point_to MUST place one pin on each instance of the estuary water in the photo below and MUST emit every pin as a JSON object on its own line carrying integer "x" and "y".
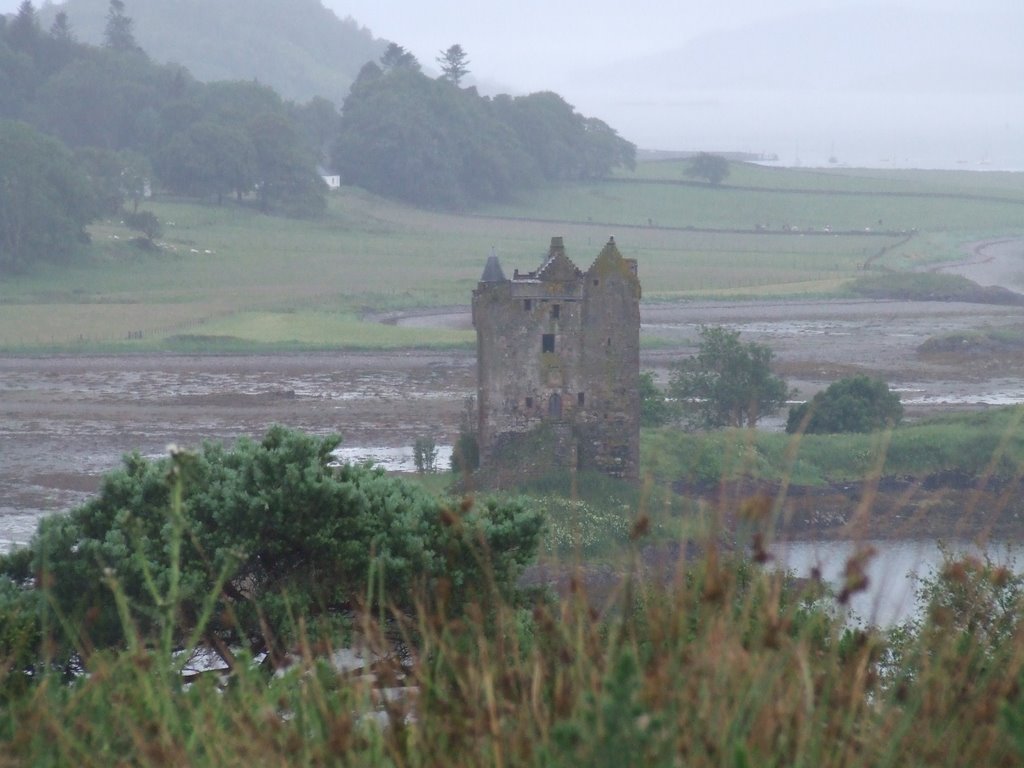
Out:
{"x": 893, "y": 571}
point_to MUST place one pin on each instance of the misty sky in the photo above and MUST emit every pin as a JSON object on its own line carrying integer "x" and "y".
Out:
{"x": 908, "y": 82}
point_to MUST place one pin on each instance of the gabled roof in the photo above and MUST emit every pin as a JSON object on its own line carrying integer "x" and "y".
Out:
{"x": 610, "y": 258}
{"x": 556, "y": 267}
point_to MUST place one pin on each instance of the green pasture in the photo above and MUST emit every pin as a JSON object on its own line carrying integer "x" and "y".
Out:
{"x": 227, "y": 276}
{"x": 636, "y": 202}
{"x": 978, "y": 445}
{"x": 868, "y": 181}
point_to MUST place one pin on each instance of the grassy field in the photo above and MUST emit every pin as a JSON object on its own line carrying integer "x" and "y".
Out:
{"x": 983, "y": 444}
{"x": 228, "y": 277}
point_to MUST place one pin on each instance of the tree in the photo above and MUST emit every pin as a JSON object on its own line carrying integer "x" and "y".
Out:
{"x": 318, "y": 122}
{"x": 60, "y": 29}
{"x": 712, "y": 168}
{"x": 114, "y": 177}
{"x": 145, "y": 222}
{"x": 23, "y": 31}
{"x": 118, "y": 34}
{"x": 208, "y": 158}
{"x": 270, "y": 530}
{"x": 409, "y": 136}
{"x": 655, "y": 409}
{"x": 854, "y": 404}
{"x": 424, "y": 454}
{"x": 727, "y": 383}
{"x": 396, "y": 57}
{"x": 45, "y": 201}
{"x": 454, "y": 64}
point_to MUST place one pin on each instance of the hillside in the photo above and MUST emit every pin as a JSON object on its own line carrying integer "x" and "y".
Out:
{"x": 298, "y": 47}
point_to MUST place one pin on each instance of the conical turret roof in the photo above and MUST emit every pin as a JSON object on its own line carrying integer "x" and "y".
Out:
{"x": 492, "y": 271}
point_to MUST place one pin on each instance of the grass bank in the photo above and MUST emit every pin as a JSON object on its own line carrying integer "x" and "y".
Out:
{"x": 976, "y": 445}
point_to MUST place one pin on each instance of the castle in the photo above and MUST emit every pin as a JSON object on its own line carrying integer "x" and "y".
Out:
{"x": 558, "y": 354}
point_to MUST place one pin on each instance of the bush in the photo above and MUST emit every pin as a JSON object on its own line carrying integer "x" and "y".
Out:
{"x": 655, "y": 409}
{"x": 270, "y": 530}
{"x": 145, "y": 222}
{"x": 854, "y": 404}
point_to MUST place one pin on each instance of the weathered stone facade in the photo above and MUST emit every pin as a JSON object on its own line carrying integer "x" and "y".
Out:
{"x": 558, "y": 350}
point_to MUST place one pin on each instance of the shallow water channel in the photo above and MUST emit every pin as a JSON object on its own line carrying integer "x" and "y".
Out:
{"x": 893, "y": 571}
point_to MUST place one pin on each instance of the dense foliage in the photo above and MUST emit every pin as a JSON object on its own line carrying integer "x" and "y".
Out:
{"x": 429, "y": 142}
{"x": 264, "y": 531}
{"x": 727, "y": 383}
{"x": 712, "y": 168}
{"x": 45, "y": 201}
{"x": 854, "y": 404}
{"x": 655, "y": 409}
{"x": 126, "y": 117}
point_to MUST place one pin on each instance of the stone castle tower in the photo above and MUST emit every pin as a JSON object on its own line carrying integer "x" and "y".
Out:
{"x": 560, "y": 348}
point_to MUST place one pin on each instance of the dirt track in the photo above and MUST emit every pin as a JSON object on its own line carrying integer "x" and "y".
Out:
{"x": 64, "y": 421}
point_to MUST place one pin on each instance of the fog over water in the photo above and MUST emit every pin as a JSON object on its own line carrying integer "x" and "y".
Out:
{"x": 903, "y": 83}
{"x": 877, "y": 83}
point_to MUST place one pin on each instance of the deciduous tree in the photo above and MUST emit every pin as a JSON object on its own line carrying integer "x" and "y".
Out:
{"x": 44, "y": 199}
{"x": 712, "y": 168}
{"x": 727, "y": 383}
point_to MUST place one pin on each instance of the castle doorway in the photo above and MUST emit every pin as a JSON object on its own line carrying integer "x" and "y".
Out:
{"x": 555, "y": 406}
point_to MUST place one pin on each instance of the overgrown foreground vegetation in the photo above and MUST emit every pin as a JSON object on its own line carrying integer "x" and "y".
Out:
{"x": 711, "y": 660}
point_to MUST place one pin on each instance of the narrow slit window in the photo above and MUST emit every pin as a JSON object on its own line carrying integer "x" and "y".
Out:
{"x": 529, "y": 402}
{"x": 547, "y": 342}
{"x": 580, "y": 399}
{"x": 556, "y": 311}
{"x": 527, "y": 305}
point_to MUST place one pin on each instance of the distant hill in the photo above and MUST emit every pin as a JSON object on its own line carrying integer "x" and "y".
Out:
{"x": 298, "y": 47}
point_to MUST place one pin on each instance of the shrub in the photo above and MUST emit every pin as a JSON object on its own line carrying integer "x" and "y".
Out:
{"x": 271, "y": 530}
{"x": 854, "y": 404}
{"x": 655, "y": 409}
{"x": 145, "y": 222}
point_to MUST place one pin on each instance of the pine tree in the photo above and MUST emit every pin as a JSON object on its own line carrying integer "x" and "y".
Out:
{"x": 118, "y": 35}
{"x": 454, "y": 64}
{"x": 23, "y": 31}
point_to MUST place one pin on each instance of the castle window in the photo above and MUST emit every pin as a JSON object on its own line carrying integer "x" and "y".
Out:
{"x": 527, "y": 305}
{"x": 529, "y": 402}
{"x": 556, "y": 311}
{"x": 547, "y": 342}
{"x": 596, "y": 282}
{"x": 580, "y": 399}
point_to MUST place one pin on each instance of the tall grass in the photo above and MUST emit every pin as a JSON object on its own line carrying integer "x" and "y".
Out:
{"x": 707, "y": 660}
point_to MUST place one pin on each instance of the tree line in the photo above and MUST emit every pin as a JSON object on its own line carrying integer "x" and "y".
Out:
{"x": 431, "y": 142}
{"x": 99, "y": 127}
{"x": 96, "y": 127}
